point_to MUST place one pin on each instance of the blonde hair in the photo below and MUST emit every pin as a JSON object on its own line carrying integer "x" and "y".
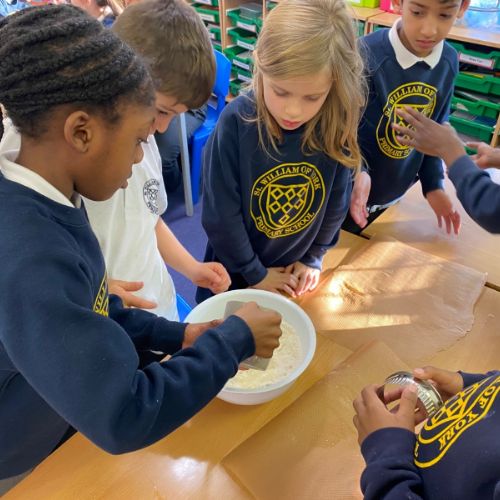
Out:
{"x": 302, "y": 37}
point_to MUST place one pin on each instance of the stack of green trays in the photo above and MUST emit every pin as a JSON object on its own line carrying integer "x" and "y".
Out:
{"x": 242, "y": 38}
{"x": 484, "y": 84}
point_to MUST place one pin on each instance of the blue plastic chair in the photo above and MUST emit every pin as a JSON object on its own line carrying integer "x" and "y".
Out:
{"x": 183, "y": 308}
{"x": 214, "y": 109}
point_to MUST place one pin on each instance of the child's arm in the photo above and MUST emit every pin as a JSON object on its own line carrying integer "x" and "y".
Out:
{"x": 387, "y": 443}
{"x": 486, "y": 156}
{"x": 479, "y": 195}
{"x": 210, "y": 275}
{"x": 359, "y": 198}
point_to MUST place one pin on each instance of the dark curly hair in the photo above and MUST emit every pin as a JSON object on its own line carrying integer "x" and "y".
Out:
{"x": 58, "y": 54}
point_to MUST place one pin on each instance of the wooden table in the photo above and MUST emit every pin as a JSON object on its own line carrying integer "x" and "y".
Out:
{"x": 413, "y": 222}
{"x": 186, "y": 464}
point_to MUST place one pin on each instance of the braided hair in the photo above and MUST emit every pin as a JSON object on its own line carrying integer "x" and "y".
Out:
{"x": 58, "y": 54}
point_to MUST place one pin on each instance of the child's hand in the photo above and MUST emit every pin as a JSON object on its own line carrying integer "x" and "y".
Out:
{"x": 265, "y": 326}
{"x": 194, "y": 330}
{"x": 277, "y": 280}
{"x": 447, "y": 383}
{"x": 486, "y": 156}
{"x": 124, "y": 290}
{"x": 359, "y": 198}
{"x": 429, "y": 137}
{"x": 307, "y": 277}
{"x": 443, "y": 208}
{"x": 372, "y": 414}
{"x": 211, "y": 275}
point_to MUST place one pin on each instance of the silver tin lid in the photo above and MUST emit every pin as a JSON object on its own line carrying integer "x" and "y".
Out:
{"x": 426, "y": 392}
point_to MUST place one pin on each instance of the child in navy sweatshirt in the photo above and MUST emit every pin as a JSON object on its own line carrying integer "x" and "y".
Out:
{"x": 436, "y": 464}
{"x": 278, "y": 167}
{"x": 408, "y": 65}
{"x": 83, "y": 103}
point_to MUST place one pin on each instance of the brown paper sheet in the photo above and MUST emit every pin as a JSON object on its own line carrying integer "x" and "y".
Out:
{"x": 220, "y": 427}
{"x": 417, "y": 303}
{"x": 314, "y": 452}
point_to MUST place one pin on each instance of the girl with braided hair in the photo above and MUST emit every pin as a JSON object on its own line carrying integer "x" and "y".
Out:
{"x": 69, "y": 351}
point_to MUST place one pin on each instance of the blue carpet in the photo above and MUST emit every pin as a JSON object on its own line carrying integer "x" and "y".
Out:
{"x": 189, "y": 232}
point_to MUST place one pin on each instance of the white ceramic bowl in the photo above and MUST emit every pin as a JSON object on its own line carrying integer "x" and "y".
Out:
{"x": 215, "y": 306}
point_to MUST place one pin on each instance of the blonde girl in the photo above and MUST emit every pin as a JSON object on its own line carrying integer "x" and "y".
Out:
{"x": 278, "y": 168}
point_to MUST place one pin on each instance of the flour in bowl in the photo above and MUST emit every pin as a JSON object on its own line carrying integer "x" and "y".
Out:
{"x": 285, "y": 358}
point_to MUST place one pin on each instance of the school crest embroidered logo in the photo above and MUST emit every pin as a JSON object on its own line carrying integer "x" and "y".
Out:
{"x": 419, "y": 96}
{"x": 465, "y": 410}
{"x": 101, "y": 303}
{"x": 150, "y": 194}
{"x": 286, "y": 199}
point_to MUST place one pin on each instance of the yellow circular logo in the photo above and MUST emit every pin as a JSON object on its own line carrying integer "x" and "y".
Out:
{"x": 286, "y": 199}
{"x": 419, "y": 96}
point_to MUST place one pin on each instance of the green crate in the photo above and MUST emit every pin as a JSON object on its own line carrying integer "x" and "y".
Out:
{"x": 213, "y": 3}
{"x": 359, "y": 27}
{"x": 233, "y": 51}
{"x": 214, "y": 32}
{"x": 235, "y": 86}
{"x": 241, "y": 74}
{"x": 208, "y": 14}
{"x": 484, "y": 84}
{"x": 484, "y": 59}
{"x": 244, "y": 60}
{"x": 371, "y": 4}
{"x": 270, "y": 5}
{"x": 242, "y": 38}
{"x": 251, "y": 25}
{"x": 471, "y": 128}
{"x": 478, "y": 108}
{"x": 217, "y": 46}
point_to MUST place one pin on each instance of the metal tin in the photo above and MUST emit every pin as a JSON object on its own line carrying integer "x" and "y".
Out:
{"x": 426, "y": 392}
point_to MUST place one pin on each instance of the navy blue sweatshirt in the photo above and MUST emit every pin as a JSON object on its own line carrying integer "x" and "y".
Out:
{"x": 456, "y": 456}
{"x": 68, "y": 354}
{"x": 479, "y": 195}
{"x": 265, "y": 210}
{"x": 394, "y": 168}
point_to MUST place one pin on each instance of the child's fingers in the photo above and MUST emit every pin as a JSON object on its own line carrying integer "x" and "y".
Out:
{"x": 131, "y": 300}
{"x": 456, "y": 221}
{"x": 473, "y": 144}
{"x": 408, "y": 403}
{"x": 289, "y": 290}
{"x": 447, "y": 220}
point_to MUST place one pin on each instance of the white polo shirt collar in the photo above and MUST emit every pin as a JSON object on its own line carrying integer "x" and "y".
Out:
{"x": 407, "y": 59}
{"x": 17, "y": 173}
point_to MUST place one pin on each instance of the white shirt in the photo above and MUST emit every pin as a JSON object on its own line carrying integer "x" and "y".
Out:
{"x": 124, "y": 224}
{"x": 407, "y": 59}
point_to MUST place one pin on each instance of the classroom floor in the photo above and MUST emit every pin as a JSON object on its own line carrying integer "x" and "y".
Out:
{"x": 190, "y": 233}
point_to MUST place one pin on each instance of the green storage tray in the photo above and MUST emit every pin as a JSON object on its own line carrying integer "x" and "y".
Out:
{"x": 242, "y": 38}
{"x": 241, "y": 74}
{"x": 208, "y": 14}
{"x": 213, "y": 3}
{"x": 360, "y": 27}
{"x": 478, "y": 108}
{"x": 233, "y": 51}
{"x": 471, "y": 128}
{"x": 484, "y": 59}
{"x": 371, "y": 4}
{"x": 483, "y": 84}
{"x": 270, "y": 5}
{"x": 217, "y": 46}
{"x": 251, "y": 25}
{"x": 214, "y": 32}
{"x": 244, "y": 60}
{"x": 235, "y": 86}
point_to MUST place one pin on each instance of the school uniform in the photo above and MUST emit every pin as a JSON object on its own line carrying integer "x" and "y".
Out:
{"x": 398, "y": 78}
{"x": 68, "y": 351}
{"x": 125, "y": 227}
{"x": 478, "y": 194}
{"x": 267, "y": 209}
{"x": 455, "y": 456}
